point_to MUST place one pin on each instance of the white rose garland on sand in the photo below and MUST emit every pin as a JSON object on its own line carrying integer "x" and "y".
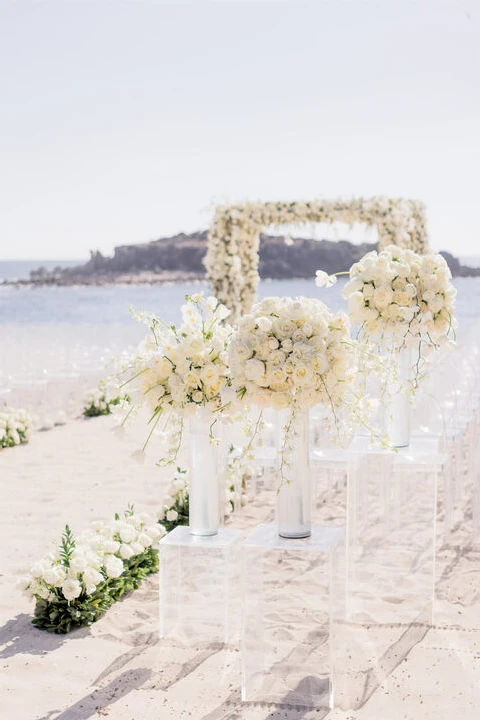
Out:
{"x": 294, "y": 353}
{"x": 81, "y": 577}
{"x": 15, "y": 427}
{"x": 180, "y": 369}
{"x": 233, "y": 239}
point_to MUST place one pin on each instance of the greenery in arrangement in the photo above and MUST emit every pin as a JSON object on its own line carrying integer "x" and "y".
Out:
{"x": 100, "y": 402}
{"x": 178, "y": 371}
{"x": 175, "y": 504}
{"x": 175, "y": 510}
{"x": 81, "y": 578}
{"x": 15, "y": 427}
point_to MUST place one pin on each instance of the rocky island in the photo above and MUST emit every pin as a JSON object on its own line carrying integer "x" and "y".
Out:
{"x": 180, "y": 258}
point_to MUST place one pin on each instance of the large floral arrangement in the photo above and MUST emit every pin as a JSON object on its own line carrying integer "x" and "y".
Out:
{"x": 294, "y": 354}
{"x": 233, "y": 239}
{"x": 401, "y": 298}
{"x": 179, "y": 369}
{"x": 15, "y": 427}
{"x": 80, "y": 578}
{"x": 291, "y": 352}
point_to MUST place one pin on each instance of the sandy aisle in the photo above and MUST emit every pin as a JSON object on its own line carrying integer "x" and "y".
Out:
{"x": 118, "y": 669}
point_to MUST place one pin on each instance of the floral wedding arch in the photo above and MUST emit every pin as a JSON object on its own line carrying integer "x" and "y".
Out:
{"x": 234, "y": 237}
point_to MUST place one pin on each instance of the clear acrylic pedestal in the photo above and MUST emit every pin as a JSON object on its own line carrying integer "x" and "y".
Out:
{"x": 286, "y": 615}
{"x": 200, "y": 586}
{"x": 387, "y": 602}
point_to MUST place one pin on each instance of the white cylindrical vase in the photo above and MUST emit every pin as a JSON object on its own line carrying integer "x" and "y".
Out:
{"x": 400, "y": 409}
{"x": 204, "y": 510}
{"x": 294, "y": 492}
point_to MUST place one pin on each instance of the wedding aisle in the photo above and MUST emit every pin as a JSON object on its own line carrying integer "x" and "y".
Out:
{"x": 119, "y": 669}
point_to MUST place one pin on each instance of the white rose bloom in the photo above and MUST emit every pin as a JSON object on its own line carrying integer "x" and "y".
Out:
{"x": 172, "y": 515}
{"x": 113, "y": 566}
{"x": 382, "y": 297}
{"x": 368, "y": 291}
{"x": 144, "y": 540}
{"x": 352, "y": 286}
{"x": 272, "y": 343}
{"x": 78, "y": 562}
{"x": 24, "y": 583}
{"x": 126, "y": 551}
{"x": 44, "y": 592}
{"x": 111, "y": 546}
{"x": 153, "y": 531}
{"x": 71, "y": 589}
{"x": 255, "y": 370}
{"x": 55, "y": 576}
{"x": 264, "y": 324}
{"x": 137, "y": 548}
{"x": 127, "y": 533}
{"x": 402, "y": 298}
{"x": 323, "y": 279}
{"x": 280, "y": 401}
{"x": 436, "y": 304}
{"x": 91, "y": 576}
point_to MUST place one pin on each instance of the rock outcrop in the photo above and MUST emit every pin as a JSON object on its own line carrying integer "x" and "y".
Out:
{"x": 180, "y": 258}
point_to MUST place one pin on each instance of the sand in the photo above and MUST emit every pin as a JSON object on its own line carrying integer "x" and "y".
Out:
{"x": 119, "y": 668}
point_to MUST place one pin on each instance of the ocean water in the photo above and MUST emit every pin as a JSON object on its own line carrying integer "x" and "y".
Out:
{"x": 105, "y": 306}
{"x": 45, "y": 331}
{"x": 20, "y": 269}
{"x": 55, "y": 343}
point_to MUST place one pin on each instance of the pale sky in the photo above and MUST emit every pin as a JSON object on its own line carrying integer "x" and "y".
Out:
{"x": 122, "y": 122}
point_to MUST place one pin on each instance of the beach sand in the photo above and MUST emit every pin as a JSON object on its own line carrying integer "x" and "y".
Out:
{"x": 119, "y": 668}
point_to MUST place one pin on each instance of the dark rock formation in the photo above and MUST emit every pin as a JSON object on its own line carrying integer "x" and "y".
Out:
{"x": 180, "y": 258}
{"x": 457, "y": 269}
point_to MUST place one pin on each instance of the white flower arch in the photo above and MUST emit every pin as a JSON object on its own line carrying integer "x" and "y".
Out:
{"x": 233, "y": 239}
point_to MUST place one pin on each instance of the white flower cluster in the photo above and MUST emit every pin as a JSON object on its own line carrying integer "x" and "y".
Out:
{"x": 233, "y": 240}
{"x": 186, "y": 367}
{"x": 97, "y": 555}
{"x": 15, "y": 427}
{"x": 175, "y": 509}
{"x": 100, "y": 400}
{"x": 175, "y": 503}
{"x": 292, "y": 353}
{"x": 401, "y": 297}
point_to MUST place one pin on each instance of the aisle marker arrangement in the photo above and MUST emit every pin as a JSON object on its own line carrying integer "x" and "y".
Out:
{"x": 100, "y": 400}
{"x": 15, "y": 427}
{"x": 82, "y": 577}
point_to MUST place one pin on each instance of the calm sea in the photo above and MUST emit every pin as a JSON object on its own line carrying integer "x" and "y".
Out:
{"x": 20, "y": 269}
{"x": 80, "y": 328}
{"x": 110, "y": 305}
